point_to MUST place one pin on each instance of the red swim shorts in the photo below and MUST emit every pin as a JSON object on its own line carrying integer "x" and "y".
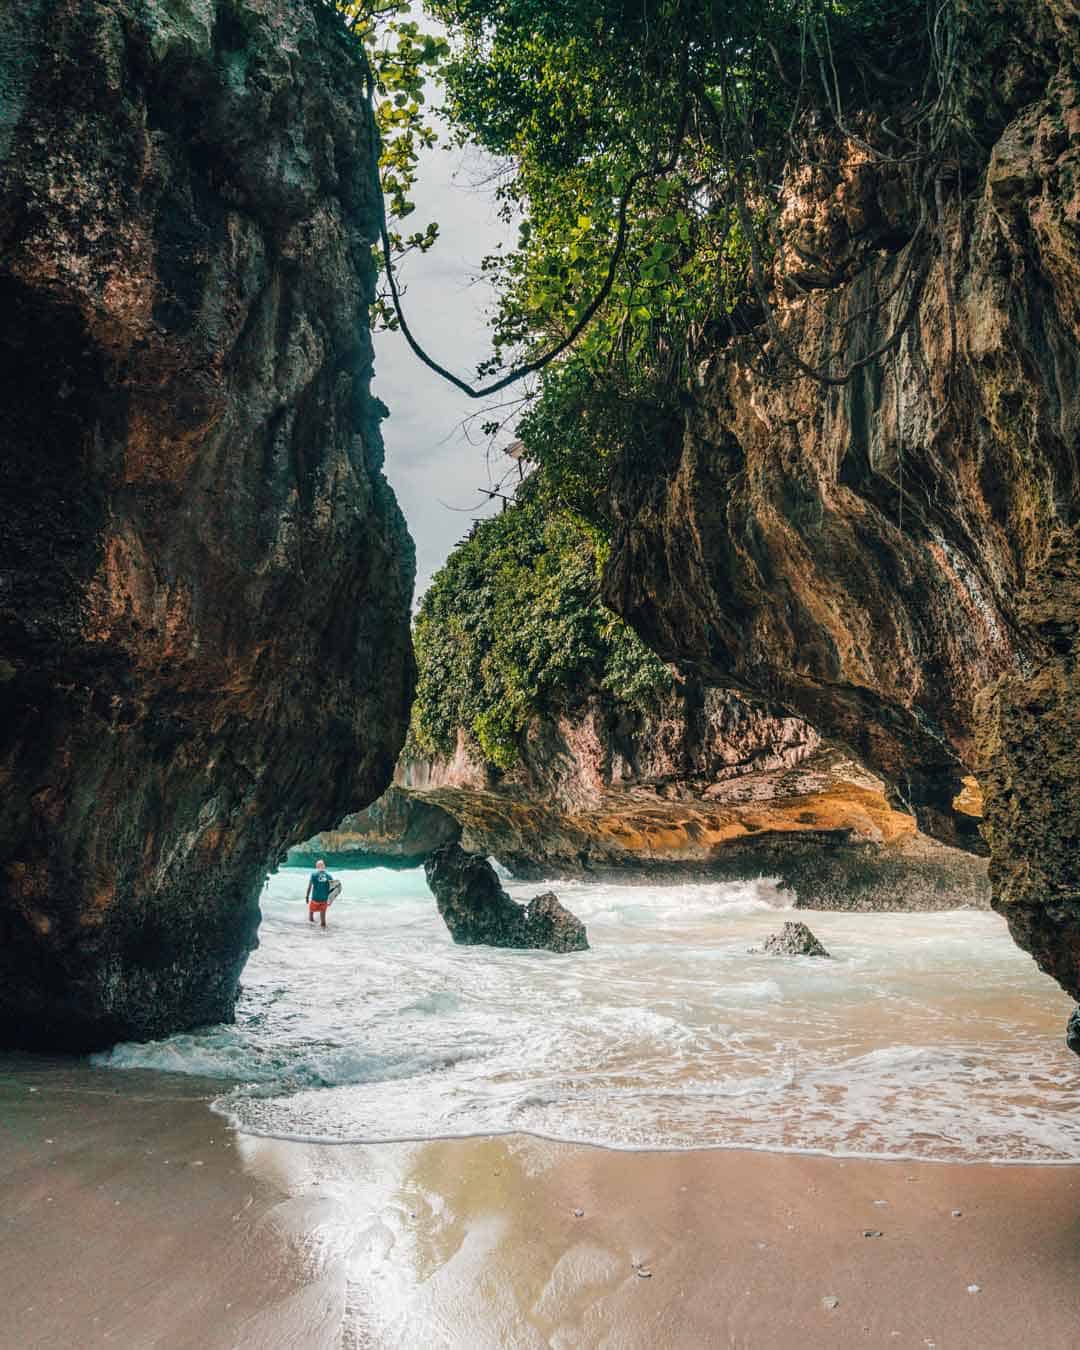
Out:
{"x": 318, "y": 906}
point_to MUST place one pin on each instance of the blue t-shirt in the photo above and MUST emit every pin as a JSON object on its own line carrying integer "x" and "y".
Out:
{"x": 320, "y": 886}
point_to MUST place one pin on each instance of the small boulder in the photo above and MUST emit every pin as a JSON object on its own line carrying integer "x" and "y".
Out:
{"x": 551, "y": 925}
{"x": 794, "y": 939}
{"x": 1072, "y": 1032}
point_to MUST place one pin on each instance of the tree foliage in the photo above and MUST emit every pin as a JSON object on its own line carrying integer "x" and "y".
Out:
{"x": 401, "y": 59}
{"x": 644, "y": 143}
{"x": 513, "y": 627}
{"x": 703, "y": 97}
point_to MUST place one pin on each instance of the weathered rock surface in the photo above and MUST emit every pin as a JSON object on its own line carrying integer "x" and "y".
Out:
{"x": 204, "y": 647}
{"x": 1029, "y": 755}
{"x": 477, "y": 910}
{"x": 794, "y": 939}
{"x": 823, "y": 827}
{"x": 695, "y": 740}
{"x": 707, "y": 784}
{"x": 882, "y": 558}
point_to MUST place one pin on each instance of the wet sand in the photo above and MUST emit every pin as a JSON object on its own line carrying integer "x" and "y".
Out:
{"x": 131, "y": 1215}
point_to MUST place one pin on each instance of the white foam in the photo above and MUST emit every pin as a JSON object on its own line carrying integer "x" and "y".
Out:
{"x": 931, "y": 1036}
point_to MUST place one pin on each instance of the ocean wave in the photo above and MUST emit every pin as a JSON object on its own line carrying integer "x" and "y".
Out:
{"x": 927, "y": 1038}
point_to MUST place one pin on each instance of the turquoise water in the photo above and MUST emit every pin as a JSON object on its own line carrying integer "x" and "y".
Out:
{"x": 928, "y": 1036}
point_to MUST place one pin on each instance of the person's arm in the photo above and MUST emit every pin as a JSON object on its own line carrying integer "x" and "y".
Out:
{"x": 307, "y": 895}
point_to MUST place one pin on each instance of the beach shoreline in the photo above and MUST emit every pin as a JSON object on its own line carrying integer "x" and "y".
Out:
{"x": 133, "y": 1215}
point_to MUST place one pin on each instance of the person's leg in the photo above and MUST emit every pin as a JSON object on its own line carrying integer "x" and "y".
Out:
{"x": 322, "y": 919}
{"x": 310, "y": 914}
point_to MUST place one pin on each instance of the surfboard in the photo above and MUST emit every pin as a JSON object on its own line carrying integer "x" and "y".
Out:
{"x": 335, "y": 891}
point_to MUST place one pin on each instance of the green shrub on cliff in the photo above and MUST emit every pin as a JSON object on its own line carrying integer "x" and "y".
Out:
{"x": 643, "y": 145}
{"x": 513, "y": 626}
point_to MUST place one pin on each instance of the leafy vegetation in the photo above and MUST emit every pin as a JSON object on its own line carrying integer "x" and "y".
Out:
{"x": 643, "y": 144}
{"x": 659, "y": 131}
{"x": 401, "y": 60}
{"x": 512, "y": 627}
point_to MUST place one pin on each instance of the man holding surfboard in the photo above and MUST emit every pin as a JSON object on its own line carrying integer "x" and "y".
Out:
{"x": 322, "y": 891}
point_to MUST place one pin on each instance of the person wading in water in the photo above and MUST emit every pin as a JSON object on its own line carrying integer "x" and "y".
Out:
{"x": 318, "y": 892}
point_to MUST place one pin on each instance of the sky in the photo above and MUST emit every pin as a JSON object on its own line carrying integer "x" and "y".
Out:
{"x": 435, "y": 462}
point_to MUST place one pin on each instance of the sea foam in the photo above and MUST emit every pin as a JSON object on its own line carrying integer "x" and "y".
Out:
{"x": 927, "y": 1036}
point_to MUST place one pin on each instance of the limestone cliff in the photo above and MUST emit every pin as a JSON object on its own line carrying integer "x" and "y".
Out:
{"x": 684, "y": 744}
{"x": 703, "y": 785}
{"x": 204, "y": 648}
{"x": 895, "y": 559}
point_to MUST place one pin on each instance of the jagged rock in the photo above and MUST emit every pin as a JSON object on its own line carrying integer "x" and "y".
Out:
{"x": 204, "y": 647}
{"x": 823, "y": 827}
{"x": 695, "y": 737}
{"x": 551, "y": 925}
{"x": 794, "y": 939}
{"x": 477, "y": 910}
{"x": 1029, "y": 747}
{"x": 1072, "y": 1032}
{"x": 399, "y": 830}
{"x": 704, "y": 784}
{"x": 873, "y": 555}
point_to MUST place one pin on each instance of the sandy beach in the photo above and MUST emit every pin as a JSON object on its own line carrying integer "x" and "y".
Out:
{"x": 134, "y": 1216}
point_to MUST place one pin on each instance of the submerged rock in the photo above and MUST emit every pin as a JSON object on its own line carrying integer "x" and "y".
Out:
{"x": 477, "y": 910}
{"x": 204, "y": 643}
{"x": 794, "y": 939}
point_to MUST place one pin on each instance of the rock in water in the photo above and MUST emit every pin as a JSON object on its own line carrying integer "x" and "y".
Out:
{"x": 1072, "y": 1032}
{"x": 553, "y": 926}
{"x": 794, "y": 939}
{"x": 477, "y": 910}
{"x": 204, "y": 645}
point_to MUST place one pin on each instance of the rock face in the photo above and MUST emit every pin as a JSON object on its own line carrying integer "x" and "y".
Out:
{"x": 204, "y": 647}
{"x": 794, "y": 939}
{"x": 707, "y": 785}
{"x": 894, "y": 560}
{"x": 477, "y": 910}
{"x": 694, "y": 740}
{"x": 823, "y": 829}
{"x": 1029, "y": 753}
{"x": 837, "y": 844}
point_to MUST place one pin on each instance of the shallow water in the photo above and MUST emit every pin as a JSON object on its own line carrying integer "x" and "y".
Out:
{"x": 928, "y": 1036}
